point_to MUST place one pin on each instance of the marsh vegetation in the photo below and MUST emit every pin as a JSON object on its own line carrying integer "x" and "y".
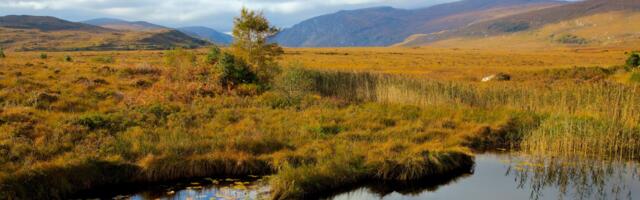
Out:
{"x": 73, "y": 122}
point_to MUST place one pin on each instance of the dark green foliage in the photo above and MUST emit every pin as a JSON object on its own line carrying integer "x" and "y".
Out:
{"x": 43, "y": 56}
{"x": 2, "y": 53}
{"x": 509, "y": 27}
{"x": 571, "y": 39}
{"x": 234, "y": 71}
{"x": 96, "y": 121}
{"x": 68, "y": 58}
{"x": 214, "y": 55}
{"x": 634, "y": 59}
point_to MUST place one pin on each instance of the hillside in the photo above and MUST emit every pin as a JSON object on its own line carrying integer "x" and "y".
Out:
{"x": 593, "y": 22}
{"x": 45, "y": 23}
{"x": 24, "y": 33}
{"x": 207, "y": 34}
{"x": 384, "y": 26}
{"x": 119, "y": 24}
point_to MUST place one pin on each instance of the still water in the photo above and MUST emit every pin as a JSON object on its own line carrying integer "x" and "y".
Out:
{"x": 496, "y": 176}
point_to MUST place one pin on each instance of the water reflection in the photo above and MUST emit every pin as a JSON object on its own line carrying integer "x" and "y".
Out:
{"x": 207, "y": 189}
{"x": 496, "y": 176}
{"x": 525, "y": 177}
{"x": 576, "y": 178}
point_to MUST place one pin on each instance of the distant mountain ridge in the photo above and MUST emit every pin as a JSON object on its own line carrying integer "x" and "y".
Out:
{"x": 26, "y": 32}
{"x": 206, "y": 33}
{"x": 44, "y": 23}
{"x": 560, "y": 18}
{"x": 383, "y": 26}
{"x": 119, "y": 24}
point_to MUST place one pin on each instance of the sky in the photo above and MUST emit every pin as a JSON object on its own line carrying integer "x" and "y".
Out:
{"x": 217, "y": 14}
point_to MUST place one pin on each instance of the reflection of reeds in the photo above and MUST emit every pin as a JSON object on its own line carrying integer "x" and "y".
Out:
{"x": 602, "y": 117}
{"x": 574, "y": 177}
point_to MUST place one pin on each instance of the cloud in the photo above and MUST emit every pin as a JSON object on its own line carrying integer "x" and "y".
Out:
{"x": 214, "y": 13}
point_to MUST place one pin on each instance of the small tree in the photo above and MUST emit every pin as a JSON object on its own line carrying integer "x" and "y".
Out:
{"x": 251, "y": 32}
{"x": 214, "y": 55}
{"x": 43, "y": 56}
{"x": 634, "y": 60}
{"x": 2, "y": 53}
{"x": 234, "y": 71}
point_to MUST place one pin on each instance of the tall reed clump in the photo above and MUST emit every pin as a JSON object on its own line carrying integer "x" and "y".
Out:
{"x": 611, "y": 105}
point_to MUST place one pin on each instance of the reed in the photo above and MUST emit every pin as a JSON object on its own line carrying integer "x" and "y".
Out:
{"x": 613, "y": 107}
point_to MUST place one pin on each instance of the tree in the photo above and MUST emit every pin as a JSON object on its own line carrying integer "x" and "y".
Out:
{"x": 251, "y": 32}
{"x": 214, "y": 55}
{"x": 234, "y": 71}
{"x": 634, "y": 59}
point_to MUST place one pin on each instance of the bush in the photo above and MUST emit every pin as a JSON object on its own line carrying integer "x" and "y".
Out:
{"x": 509, "y": 27}
{"x": 2, "y": 53}
{"x": 296, "y": 81}
{"x": 97, "y": 121}
{"x": 214, "y": 55}
{"x": 68, "y": 58}
{"x": 571, "y": 39}
{"x": 634, "y": 60}
{"x": 43, "y": 56}
{"x": 234, "y": 71}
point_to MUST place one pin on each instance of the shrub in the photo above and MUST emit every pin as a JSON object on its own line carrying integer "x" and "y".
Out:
{"x": 509, "y": 27}
{"x": 214, "y": 55}
{"x": 296, "y": 81}
{"x": 2, "y": 53}
{"x": 95, "y": 121}
{"x": 43, "y": 56}
{"x": 68, "y": 58}
{"x": 634, "y": 60}
{"x": 571, "y": 39}
{"x": 234, "y": 71}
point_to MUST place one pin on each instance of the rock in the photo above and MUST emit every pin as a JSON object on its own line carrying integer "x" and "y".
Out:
{"x": 497, "y": 77}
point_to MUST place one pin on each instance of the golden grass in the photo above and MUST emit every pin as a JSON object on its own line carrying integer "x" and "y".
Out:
{"x": 412, "y": 113}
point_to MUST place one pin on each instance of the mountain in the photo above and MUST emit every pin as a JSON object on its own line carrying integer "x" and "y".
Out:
{"x": 44, "y": 23}
{"x": 25, "y": 33}
{"x": 596, "y": 22}
{"x": 207, "y": 34}
{"x": 383, "y": 26}
{"x": 119, "y": 24}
